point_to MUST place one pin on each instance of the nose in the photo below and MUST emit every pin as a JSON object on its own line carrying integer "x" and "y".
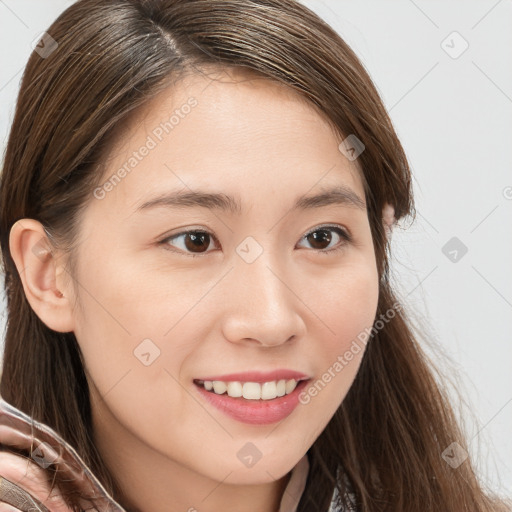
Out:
{"x": 261, "y": 306}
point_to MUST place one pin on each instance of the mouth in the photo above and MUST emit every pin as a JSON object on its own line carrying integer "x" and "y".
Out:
{"x": 250, "y": 402}
{"x": 248, "y": 390}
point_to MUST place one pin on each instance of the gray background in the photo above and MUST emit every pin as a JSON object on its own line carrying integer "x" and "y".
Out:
{"x": 453, "y": 115}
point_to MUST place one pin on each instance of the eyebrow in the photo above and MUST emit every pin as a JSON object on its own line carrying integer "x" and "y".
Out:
{"x": 340, "y": 195}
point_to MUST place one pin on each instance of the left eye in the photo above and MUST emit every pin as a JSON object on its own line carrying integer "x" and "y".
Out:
{"x": 197, "y": 242}
{"x": 321, "y": 237}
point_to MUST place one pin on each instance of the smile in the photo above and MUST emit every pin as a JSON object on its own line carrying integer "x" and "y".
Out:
{"x": 250, "y": 390}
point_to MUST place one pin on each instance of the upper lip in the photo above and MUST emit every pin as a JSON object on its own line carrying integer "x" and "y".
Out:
{"x": 255, "y": 376}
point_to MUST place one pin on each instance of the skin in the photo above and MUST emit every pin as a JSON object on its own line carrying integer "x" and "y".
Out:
{"x": 293, "y": 307}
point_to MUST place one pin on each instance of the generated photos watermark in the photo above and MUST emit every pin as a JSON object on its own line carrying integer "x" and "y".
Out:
{"x": 344, "y": 359}
{"x": 153, "y": 139}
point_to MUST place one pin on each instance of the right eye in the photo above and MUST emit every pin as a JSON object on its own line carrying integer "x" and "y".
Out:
{"x": 191, "y": 243}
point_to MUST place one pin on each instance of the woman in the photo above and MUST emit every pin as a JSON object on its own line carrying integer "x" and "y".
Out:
{"x": 196, "y": 204}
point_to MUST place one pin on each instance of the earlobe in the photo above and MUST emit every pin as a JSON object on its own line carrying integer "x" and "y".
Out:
{"x": 388, "y": 218}
{"x": 40, "y": 274}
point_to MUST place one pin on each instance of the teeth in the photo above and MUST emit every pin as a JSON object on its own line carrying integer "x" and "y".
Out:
{"x": 268, "y": 390}
{"x": 219, "y": 387}
{"x": 234, "y": 389}
{"x": 290, "y": 386}
{"x": 251, "y": 390}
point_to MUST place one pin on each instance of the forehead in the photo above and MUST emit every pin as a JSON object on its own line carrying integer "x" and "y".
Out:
{"x": 227, "y": 130}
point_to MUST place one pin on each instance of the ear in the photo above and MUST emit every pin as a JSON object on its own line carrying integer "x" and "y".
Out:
{"x": 41, "y": 275}
{"x": 388, "y": 218}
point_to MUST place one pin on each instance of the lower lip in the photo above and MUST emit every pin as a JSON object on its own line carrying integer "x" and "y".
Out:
{"x": 255, "y": 412}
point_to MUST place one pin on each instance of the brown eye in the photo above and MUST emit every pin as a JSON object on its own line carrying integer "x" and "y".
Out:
{"x": 191, "y": 242}
{"x": 197, "y": 241}
{"x": 321, "y": 238}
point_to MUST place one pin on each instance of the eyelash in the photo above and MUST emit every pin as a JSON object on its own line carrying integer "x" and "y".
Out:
{"x": 342, "y": 233}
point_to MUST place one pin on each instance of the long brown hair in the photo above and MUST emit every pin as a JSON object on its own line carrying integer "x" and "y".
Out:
{"x": 112, "y": 57}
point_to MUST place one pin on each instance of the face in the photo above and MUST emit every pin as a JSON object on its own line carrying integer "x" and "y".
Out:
{"x": 250, "y": 281}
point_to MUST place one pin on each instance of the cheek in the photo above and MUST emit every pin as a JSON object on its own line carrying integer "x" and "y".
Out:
{"x": 122, "y": 323}
{"x": 347, "y": 312}
{"x": 126, "y": 301}
{"x": 136, "y": 330}
{"x": 352, "y": 304}
{"x": 345, "y": 300}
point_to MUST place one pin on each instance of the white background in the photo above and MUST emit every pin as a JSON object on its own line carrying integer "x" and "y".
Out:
{"x": 454, "y": 118}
